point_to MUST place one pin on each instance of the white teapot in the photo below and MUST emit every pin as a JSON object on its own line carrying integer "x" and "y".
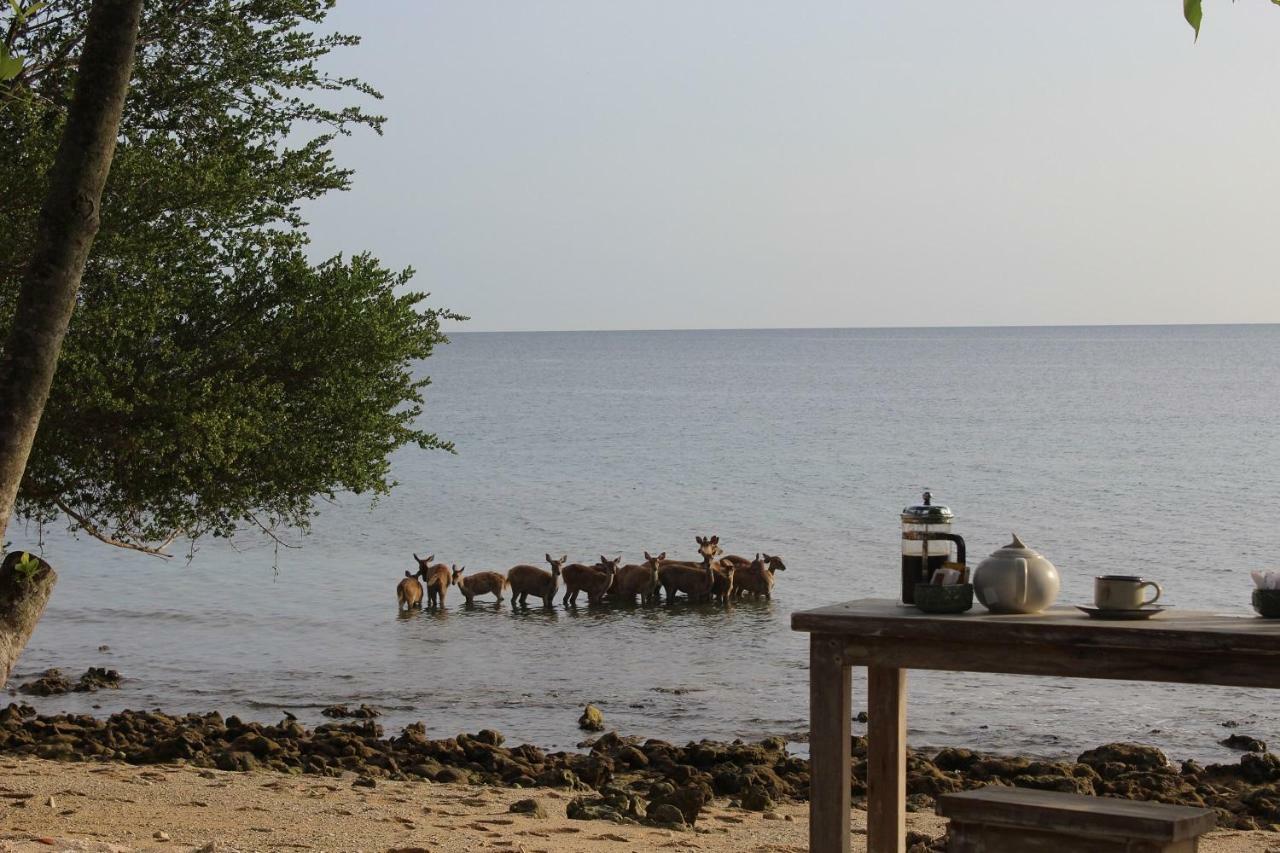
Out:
{"x": 1016, "y": 579}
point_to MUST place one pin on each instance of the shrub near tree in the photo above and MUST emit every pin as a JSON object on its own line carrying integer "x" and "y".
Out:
{"x": 213, "y": 378}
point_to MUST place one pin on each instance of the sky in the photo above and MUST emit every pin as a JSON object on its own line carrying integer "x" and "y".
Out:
{"x": 590, "y": 164}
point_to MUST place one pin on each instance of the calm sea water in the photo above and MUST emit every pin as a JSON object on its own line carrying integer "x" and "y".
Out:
{"x": 1151, "y": 450}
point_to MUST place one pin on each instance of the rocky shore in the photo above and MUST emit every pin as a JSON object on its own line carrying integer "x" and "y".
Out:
{"x": 621, "y": 779}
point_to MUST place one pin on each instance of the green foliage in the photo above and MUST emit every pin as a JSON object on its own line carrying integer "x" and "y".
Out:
{"x": 1194, "y": 14}
{"x": 11, "y": 66}
{"x": 213, "y": 378}
{"x": 26, "y": 567}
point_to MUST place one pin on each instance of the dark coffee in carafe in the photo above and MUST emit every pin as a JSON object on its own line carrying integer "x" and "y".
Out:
{"x": 919, "y": 568}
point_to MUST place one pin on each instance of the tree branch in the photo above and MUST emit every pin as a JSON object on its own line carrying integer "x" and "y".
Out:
{"x": 97, "y": 533}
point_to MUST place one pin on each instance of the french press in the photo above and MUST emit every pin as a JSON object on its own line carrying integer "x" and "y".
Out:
{"x": 926, "y": 544}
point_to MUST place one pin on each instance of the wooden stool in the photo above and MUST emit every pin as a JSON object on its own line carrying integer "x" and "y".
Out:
{"x": 1021, "y": 820}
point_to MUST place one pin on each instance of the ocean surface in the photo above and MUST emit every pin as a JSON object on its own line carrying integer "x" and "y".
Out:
{"x": 1135, "y": 450}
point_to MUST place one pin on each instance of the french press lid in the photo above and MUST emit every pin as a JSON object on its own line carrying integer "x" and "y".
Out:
{"x": 927, "y": 512}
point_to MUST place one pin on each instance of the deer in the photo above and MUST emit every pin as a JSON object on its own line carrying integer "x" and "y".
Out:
{"x": 693, "y": 579}
{"x": 757, "y": 576}
{"x": 593, "y": 580}
{"x": 438, "y": 578}
{"x": 409, "y": 592}
{"x": 479, "y": 583}
{"x": 531, "y": 580}
{"x": 641, "y": 580}
{"x": 722, "y": 583}
{"x": 775, "y": 562}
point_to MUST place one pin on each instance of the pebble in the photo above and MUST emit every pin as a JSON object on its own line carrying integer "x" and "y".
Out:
{"x": 160, "y": 835}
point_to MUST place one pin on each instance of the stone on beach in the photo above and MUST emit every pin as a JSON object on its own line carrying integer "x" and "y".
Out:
{"x": 592, "y": 720}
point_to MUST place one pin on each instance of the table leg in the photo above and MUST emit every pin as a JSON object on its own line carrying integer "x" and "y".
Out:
{"x": 830, "y": 709}
{"x": 886, "y": 760}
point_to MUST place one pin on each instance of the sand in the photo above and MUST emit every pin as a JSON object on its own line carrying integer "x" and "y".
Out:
{"x": 48, "y": 806}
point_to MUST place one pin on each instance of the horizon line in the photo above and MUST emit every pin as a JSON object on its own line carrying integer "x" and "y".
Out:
{"x": 464, "y": 331}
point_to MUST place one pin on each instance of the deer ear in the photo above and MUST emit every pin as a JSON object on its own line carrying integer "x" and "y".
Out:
{"x": 646, "y": 556}
{"x": 548, "y": 556}
{"x": 698, "y": 539}
{"x": 715, "y": 540}
{"x": 565, "y": 558}
{"x": 429, "y": 559}
{"x": 662, "y": 556}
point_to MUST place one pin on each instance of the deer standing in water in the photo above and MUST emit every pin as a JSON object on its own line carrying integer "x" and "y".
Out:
{"x": 409, "y": 592}
{"x": 530, "y": 580}
{"x": 641, "y": 580}
{"x": 479, "y": 583}
{"x": 756, "y": 576}
{"x": 695, "y": 580}
{"x": 593, "y": 580}
{"x": 438, "y": 578}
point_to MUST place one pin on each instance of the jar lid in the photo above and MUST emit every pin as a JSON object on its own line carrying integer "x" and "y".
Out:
{"x": 927, "y": 512}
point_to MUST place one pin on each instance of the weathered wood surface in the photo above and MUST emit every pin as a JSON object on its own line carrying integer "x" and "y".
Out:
{"x": 830, "y": 713}
{"x": 886, "y": 760}
{"x": 1233, "y": 669}
{"x": 1077, "y": 814}
{"x": 1172, "y": 630}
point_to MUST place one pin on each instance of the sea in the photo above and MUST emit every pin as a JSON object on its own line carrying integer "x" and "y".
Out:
{"x": 1145, "y": 450}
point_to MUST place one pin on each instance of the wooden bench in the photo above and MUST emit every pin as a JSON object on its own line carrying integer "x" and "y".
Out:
{"x": 1020, "y": 820}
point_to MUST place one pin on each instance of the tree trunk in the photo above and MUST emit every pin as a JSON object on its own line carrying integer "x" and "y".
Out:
{"x": 22, "y": 601}
{"x": 67, "y": 226}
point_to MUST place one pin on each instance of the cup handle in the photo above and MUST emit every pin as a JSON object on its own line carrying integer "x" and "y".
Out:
{"x": 1022, "y": 599}
{"x": 1153, "y": 599}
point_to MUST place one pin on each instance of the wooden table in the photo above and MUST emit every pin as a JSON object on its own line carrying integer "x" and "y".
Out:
{"x": 889, "y": 638}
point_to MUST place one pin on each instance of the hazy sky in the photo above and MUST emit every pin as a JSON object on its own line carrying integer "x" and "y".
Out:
{"x": 693, "y": 164}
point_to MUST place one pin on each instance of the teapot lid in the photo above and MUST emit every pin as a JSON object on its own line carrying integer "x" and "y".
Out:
{"x": 927, "y": 512}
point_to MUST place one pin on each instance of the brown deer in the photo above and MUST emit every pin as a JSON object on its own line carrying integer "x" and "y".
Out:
{"x": 687, "y": 577}
{"x": 437, "y": 577}
{"x": 722, "y": 584}
{"x": 479, "y": 583}
{"x": 641, "y": 580}
{"x": 756, "y": 577}
{"x": 593, "y": 580}
{"x": 409, "y": 592}
{"x": 531, "y": 580}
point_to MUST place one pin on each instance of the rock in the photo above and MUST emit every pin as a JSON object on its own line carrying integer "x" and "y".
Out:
{"x": 667, "y": 815}
{"x": 160, "y": 835}
{"x": 96, "y": 678}
{"x": 593, "y": 808}
{"x": 365, "y": 782}
{"x": 453, "y": 774}
{"x": 531, "y": 807}
{"x": 364, "y": 712}
{"x": 689, "y": 799}
{"x": 756, "y": 799}
{"x": 1061, "y": 783}
{"x": 52, "y": 683}
{"x": 592, "y": 720}
{"x": 1244, "y": 743}
{"x": 1132, "y": 756}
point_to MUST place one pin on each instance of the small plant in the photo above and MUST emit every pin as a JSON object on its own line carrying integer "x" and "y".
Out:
{"x": 26, "y": 567}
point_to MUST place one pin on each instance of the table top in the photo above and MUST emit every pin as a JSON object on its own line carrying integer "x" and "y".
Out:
{"x": 1172, "y": 630}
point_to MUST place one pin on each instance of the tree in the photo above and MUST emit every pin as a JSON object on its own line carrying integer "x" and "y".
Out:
{"x": 63, "y": 235}
{"x": 214, "y": 379}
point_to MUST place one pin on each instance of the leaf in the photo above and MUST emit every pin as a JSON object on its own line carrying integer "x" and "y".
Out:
{"x": 10, "y": 66}
{"x": 1192, "y": 12}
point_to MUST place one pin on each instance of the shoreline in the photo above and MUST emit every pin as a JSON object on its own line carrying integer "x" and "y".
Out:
{"x": 623, "y": 780}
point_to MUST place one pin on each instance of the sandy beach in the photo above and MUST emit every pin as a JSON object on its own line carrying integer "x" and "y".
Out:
{"x": 113, "y": 807}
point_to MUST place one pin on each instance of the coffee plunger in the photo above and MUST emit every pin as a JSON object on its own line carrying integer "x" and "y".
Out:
{"x": 926, "y": 545}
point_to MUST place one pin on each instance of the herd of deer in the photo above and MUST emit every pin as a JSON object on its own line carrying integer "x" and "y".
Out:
{"x": 716, "y": 578}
